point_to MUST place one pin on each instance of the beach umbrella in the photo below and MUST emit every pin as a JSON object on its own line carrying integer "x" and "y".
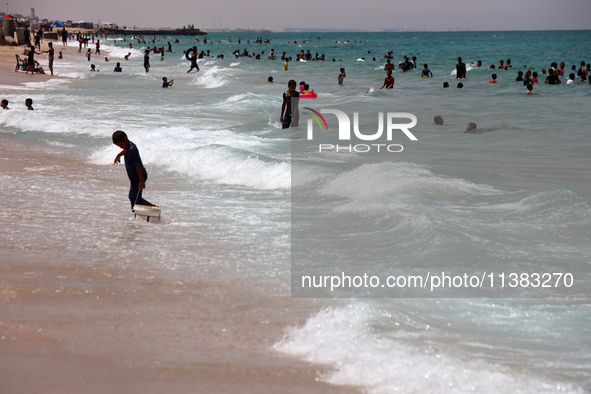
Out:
{"x": 6, "y": 16}
{"x": 58, "y": 24}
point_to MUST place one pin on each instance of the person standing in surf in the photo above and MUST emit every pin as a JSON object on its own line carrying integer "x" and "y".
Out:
{"x": 460, "y": 69}
{"x": 51, "y": 53}
{"x": 192, "y": 56}
{"x": 133, "y": 165}
{"x": 342, "y": 76}
{"x": 289, "y": 108}
{"x": 147, "y": 60}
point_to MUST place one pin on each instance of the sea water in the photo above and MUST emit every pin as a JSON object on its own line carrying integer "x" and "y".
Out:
{"x": 514, "y": 196}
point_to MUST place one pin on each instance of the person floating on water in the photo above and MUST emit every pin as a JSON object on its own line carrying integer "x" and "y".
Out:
{"x": 133, "y": 165}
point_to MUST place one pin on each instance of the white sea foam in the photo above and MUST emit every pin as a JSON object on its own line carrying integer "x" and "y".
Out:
{"x": 388, "y": 181}
{"x": 360, "y": 355}
{"x": 221, "y": 156}
{"x": 210, "y": 78}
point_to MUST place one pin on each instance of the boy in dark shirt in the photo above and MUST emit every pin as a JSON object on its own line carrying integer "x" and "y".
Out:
{"x": 289, "y": 108}
{"x": 135, "y": 169}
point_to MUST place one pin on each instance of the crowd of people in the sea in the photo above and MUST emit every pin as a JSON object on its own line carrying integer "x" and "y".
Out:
{"x": 553, "y": 75}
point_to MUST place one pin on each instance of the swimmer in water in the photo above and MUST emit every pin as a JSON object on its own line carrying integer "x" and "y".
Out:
{"x": 471, "y": 126}
{"x": 530, "y": 89}
{"x": 438, "y": 120}
{"x": 388, "y": 81}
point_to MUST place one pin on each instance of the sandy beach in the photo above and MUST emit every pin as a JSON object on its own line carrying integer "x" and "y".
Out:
{"x": 68, "y": 326}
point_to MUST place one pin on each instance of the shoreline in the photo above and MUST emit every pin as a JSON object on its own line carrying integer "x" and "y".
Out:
{"x": 70, "y": 325}
{"x": 16, "y": 78}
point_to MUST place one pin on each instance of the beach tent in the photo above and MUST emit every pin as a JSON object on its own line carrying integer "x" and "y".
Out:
{"x": 58, "y": 24}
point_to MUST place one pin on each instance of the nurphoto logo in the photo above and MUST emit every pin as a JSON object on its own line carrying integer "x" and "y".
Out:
{"x": 344, "y": 131}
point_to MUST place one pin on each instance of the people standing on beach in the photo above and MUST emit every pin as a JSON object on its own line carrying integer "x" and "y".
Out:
{"x": 98, "y": 47}
{"x": 286, "y": 64}
{"x": 31, "y": 60}
{"x": 388, "y": 81}
{"x": 50, "y": 53}
{"x": 136, "y": 172}
{"x": 38, "y": 39}
{"x": 29, "y": 104}
{"x": 342, "y": 76}
{"x": 289, "y": 108}
{"x": 27, "y": 34}
{"x": 4, "y": 104}
{"x": 88, "y": 53}
{"x": 460, "y": 69}
{"x": 64, "y": 33}
{"x": 147, "y": 60}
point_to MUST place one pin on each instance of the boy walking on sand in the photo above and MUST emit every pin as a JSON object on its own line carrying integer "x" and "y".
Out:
{"x": 135, "y": 169}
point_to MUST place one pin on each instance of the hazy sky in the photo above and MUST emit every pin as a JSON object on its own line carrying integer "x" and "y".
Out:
{"x": 334, "y": 14}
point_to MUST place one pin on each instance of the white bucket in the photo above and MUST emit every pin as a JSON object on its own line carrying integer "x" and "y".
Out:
{"x": 147, "y": 213}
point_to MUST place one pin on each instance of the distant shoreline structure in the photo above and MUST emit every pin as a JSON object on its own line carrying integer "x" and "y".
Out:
{"x": 151, "y": 32}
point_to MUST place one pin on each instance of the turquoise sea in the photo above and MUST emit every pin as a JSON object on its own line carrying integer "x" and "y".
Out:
{"x": 513, "y": 197}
